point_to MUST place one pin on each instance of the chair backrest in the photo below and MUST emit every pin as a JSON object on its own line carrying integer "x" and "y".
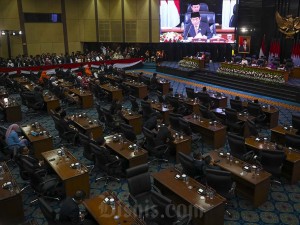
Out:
{"x": 173, "y": 101}
{"x": 174, "y": 121}
{"x": 272, "y": 161}
{"x": 102, "y": 156}
{"x": 254, "y": 109}
{"x": 134, "y": 105}
{"x": 47, "y": 211}
{"x": 219, "y": 180}
{"x": 292, "y": 140}
{"x": 85, "y": 142}
{"x": 138, "y": 179}
{"x": 236, "y": 104}
{"x": 237, "y": 145}
{"x": 187, "y": 163}
{"x": 190, "y": 93}
{"x": 166, "y": 210}
{"x": 128, "y": 132}
{"x": 204, "y": 111}
{"x": 146, "y": 107}
{"x": 204, "y": 98}
{"x": 231, "y": 115}
{"x": 150, "y": 138}
{"x": 252, "y": 128}
{"x": 296, "y": 121}
{"x": 185, "y": 126}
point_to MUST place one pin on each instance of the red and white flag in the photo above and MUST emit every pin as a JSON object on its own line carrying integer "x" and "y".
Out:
{"x": 262, "y": 48}
{"x": 296, "y": 54}
{"x": 169, "y": 13}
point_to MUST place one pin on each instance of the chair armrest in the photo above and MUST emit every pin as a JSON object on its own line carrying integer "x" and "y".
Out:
{"x": 116, "y": 162}
{"x": 41, "y": 172}
{"x": 232, "y": 189}
{"x": 183, "y": 220}
{"x": 132, "y": 201}
{"x": 155, "y": 188}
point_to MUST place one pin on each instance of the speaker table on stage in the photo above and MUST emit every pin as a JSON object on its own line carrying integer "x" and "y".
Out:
{"x": 217, "y": 39}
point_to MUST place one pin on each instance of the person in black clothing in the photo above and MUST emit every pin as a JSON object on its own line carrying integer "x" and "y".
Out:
{"x": 69, "y": 212}
{"x": 209, "y": 164}
{"x": 198, "y": 163}
{"x": 116, "y": 107}
{"x": 163, "y": 136}
{"x": 153, "y": 121}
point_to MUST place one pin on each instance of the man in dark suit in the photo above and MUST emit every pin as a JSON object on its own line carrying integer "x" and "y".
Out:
{"x": 155, "y": 119}
{"x": 244, "y": 47}
{"x": 69, "y": 212}
{"x": 196, "y": 28}
{"x": 163, "y": 136}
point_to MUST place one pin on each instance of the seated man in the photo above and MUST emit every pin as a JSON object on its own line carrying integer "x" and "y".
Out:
{"x": 196, "y": 28}
{"x": 153, "y": 121}
{"x": 163, "y": 136}
{"x": 69, "y": 212}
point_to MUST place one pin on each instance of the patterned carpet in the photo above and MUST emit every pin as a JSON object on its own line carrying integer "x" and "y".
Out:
{"x": 282, "y": 207}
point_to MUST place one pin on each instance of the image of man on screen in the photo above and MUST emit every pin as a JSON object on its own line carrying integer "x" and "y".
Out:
{"x": 244, "y": 47}
{"x": 196, "y": 28}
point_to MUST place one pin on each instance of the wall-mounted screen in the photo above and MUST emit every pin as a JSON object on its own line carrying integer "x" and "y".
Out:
{"x": 203, "y": 21}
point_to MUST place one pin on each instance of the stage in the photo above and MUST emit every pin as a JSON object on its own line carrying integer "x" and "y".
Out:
{"x": 209, "y": 74}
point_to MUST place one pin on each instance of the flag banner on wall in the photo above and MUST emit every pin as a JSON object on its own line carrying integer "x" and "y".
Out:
{"x": 296, "y": 54}
{"x": 274, "y": 50}
{"x": 169, "y": 13}
{"x": 262, "y": 51}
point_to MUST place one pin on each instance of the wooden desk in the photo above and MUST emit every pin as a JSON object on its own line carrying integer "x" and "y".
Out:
{"x": 87, "y": 126}
{"x": 213, "y": 135}
{"x": 11, "y": 204}
{"x": 104, "y": 214}
{"x": 86, "y": 97}
{"x": 219, "y": 101}
{"x": 134, "y": 158}
{"x": 132, "y": 76}
{"x": 199, "y": 62}
{"x": 220, "y": 112}
{"x": 140, "y": 89}
{"x": 272, "y": 114}
{"x": 21, "y": 80}
{"x": 193, "y": 104}
{"x": 133, "y": 119}
{"x": 163, "y": 86}
{"x": 64, "y": 83}
{"x": 255, "y": 188}
{"x": 203, "y": 211}
{"x": 30, "y": 87}
{"x": 11, "y": 110}
{"x": 291, "y": 165}
{"x": 113, "y": 78}
{"x": 41, "y": 143}
{"x": 71, "y": 178}
{"x": 51, "y": 101}
{"x": 278, "y": 133}
{"x": 295, "y": 72}
{"x": 163, "y": 109}
{"x": 182, "y": 143}
{"x": 116, "y": 93}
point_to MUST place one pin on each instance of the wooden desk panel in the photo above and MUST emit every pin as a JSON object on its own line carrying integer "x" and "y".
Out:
{"x": 87, "y": 126}
{"x": 41, "y": 142}
{"x": 71, "y": 178}
{"x": 11, "y": 204}
{"x": 182, "y": 144}
{"x": 86, "y": 97}
{"x": 255, "y": 188}
{"x": 213, "y": 135}
{"x": 291, "y": 165}
{"x": 278, "y": 133}
{"x": 11, "y": 110}
{"x": 134, "y": 120}
{"x": 116, "y": 92}
{"x": 141, "y": 90}
{"x": 105, "y": 215}
{"x": 165, "y": 110}
{"x": 52, "y": 102}
{"x": 163, "y": 86}
{"x": 134, "y": 158}
{"x": 204, "y": 211}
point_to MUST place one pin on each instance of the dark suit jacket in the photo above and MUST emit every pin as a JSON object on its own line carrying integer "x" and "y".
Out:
{"x": 204, "y": 29}
{"x": 163, "y": 135}
{"x": 241, "y": 48}
{"x": 151, "y": 123}
{"x": 69, "y": 212}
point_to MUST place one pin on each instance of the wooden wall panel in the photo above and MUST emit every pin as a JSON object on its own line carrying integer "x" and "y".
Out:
{"x": 42, "y": 6}
{"x": 142, "y": 12}
{"x": 8, "y": 9}
{"x": 130, "y": 9}
{"x": 103, "y": 10}
{"x": 142, "y": 31}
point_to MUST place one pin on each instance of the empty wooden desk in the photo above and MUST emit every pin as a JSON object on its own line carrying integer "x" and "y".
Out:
{"x": 214, "y": 135}
{"x": 163, "y": 86}
{"x": 202, "y": 209}
{"x": 86, "y": 125}
{"x": 192, "y": 104}
{"x": 38, "y": 137}
{"x": 278, "y": 133}
{"x": 73, "y": 179}
{"x": 11, "y": 109}
{"x": 164, "y": 109}
{"x": 11, "y": 204}
{"x": 116, "y": 93}
{"x": 291, "y": 166}
{"x": 122, "y": 149}
{"x": 220, "y": 100}
{"x": 134, "y": 120}
{"x": 22, "y": 80}
{"x": 104, "y": 214}
{"x": 86, "y": 97}
{"x": 140, "y": 89}
{"x": 182, "y": 143}
{"x": 51, "y": 101}
{"x": 253, "y": 187}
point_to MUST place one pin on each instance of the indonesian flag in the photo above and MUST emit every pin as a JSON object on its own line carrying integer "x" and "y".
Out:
{"x": 169, "y": 13}
{"x": 262, "y": 48}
